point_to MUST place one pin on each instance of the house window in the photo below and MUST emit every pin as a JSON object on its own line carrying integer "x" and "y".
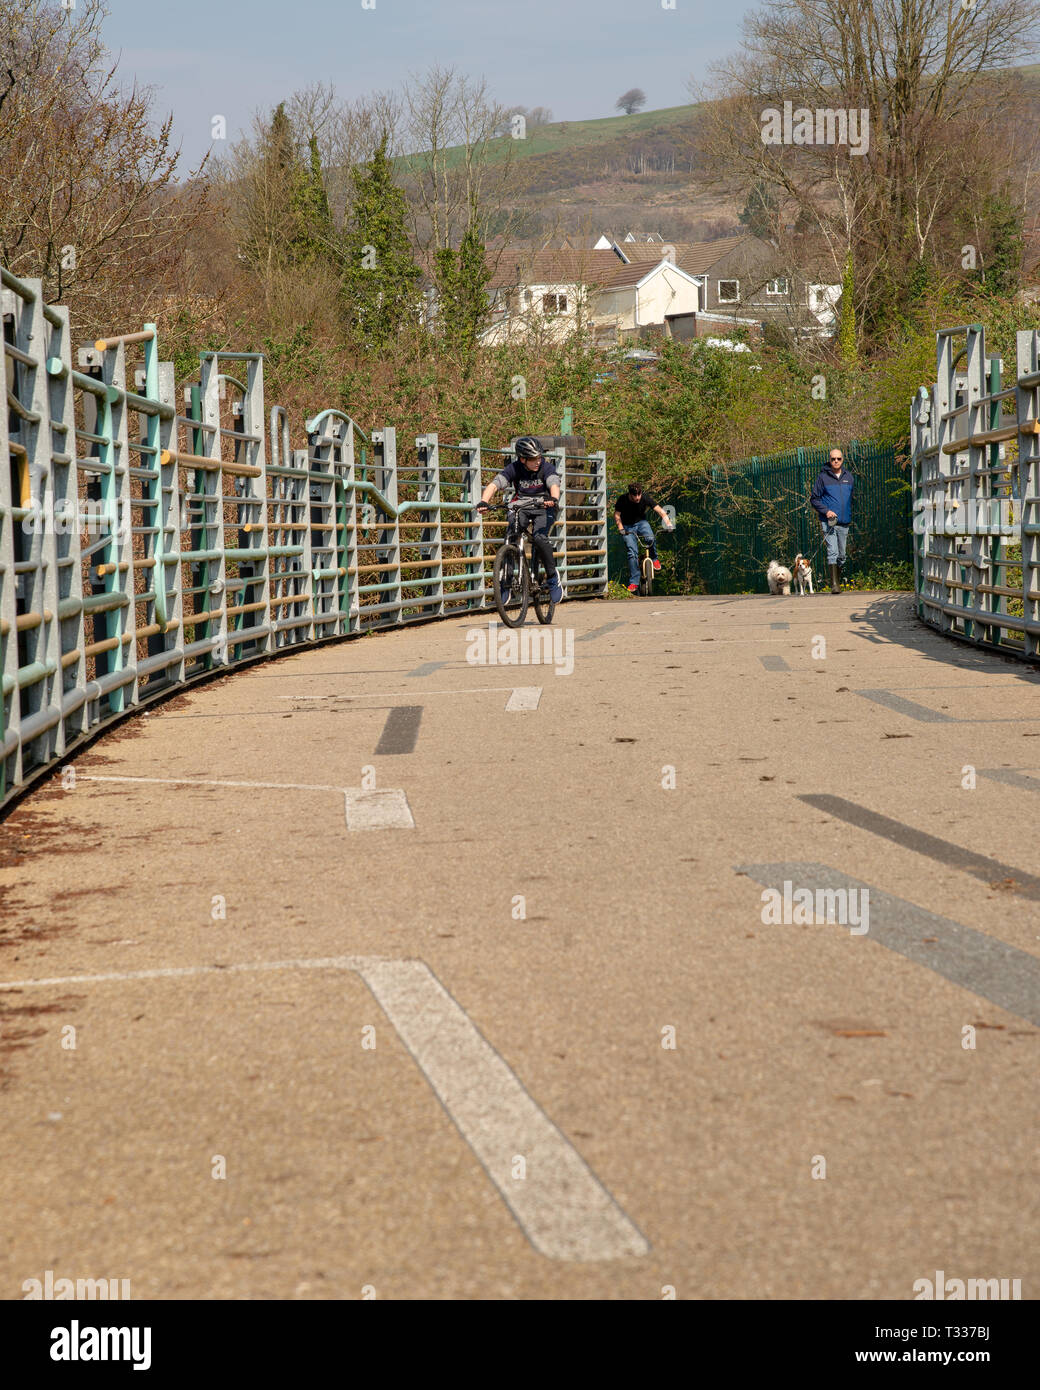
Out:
{"x": 780, "y": 286}
{"x": 554, "y": 303}
{"x": 729, "y": 291}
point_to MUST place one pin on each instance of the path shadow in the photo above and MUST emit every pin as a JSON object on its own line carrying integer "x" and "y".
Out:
{"x": 891, "y": 619}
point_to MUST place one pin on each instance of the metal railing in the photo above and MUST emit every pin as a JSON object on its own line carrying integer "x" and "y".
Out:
{"x": 142, "y": 548}
{"x": 976, "y": 494}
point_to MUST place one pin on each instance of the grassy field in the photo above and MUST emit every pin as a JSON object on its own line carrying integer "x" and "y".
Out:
{"x": 566, "y": 137}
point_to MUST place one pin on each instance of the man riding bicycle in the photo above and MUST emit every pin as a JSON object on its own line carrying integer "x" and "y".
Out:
{"x": 532, "y": 479}
{"x": 630, "y": 515}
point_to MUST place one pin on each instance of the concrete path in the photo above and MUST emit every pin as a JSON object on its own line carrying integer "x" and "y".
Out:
{"x": 377, "y": 971}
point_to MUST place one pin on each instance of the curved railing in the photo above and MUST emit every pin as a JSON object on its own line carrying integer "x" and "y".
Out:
{"x": 142, "y": 548}
{"x": 976, "y": 482}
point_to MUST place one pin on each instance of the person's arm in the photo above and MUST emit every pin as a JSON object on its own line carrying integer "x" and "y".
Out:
{"x": 620, "y": 523}
{"x": 663, "y": 515}
{"x": 497, "y": 484}
{"x": 552, "y": 482}
{"x": 816, "y": 500}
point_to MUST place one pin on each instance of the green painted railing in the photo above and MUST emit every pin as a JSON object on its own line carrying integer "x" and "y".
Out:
{"x": 142, "y": 548}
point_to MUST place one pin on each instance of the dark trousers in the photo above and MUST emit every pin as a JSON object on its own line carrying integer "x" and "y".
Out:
{"x": 539, "y": 527}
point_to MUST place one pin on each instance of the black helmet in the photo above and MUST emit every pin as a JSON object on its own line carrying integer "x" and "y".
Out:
{"x": 527, "y": 448}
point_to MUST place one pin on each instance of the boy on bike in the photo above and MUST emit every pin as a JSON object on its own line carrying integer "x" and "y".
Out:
{"x": 630, "y": 515}
{"x": 532, "y": 478}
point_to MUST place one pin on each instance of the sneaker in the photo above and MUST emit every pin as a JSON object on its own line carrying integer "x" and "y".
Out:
{"x": 657, "y": 566}
{"x": 504, "y": 594}
{"x": 633, "y": 588}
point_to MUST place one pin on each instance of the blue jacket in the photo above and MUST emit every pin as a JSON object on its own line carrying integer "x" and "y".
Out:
{"x": 833, "y": 494}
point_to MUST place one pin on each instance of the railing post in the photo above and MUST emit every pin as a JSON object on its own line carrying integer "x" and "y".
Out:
{"x": 1027, "y": 363}
{"x": 559, "y": 457}
{"x": 429, "y": 489}
{"x": 254, "y": 507}
{"x": 10, "y": 696}
{"x": 598, "y": 467}
{"x": 210, "y": 483}
{"x": 473, "y": 546}
{"x": 389, "y": 543}
{"x": 167, "y": 520}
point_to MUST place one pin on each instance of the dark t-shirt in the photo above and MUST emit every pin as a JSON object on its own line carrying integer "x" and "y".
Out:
{"x": 527, "y": 483}
{"x": 633, "y": 511}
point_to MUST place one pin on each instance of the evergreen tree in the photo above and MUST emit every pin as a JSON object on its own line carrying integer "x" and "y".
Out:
{"x": 759, "y": 215}
{"x": 288, "y": 220}
{"x": 847, "y": 314}
{"x": 462, "y": 277}
{"x": 380, "y": 277}
{"x": 1003, "y": 266}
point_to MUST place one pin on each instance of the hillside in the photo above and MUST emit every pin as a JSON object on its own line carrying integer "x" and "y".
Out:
{"x": 618, "y": 173}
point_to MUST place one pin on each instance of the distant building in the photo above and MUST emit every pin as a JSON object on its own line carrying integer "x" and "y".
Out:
{"x": 635, "y": 288}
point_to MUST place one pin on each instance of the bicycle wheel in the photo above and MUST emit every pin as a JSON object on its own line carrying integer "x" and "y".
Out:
{"x": 646, "y": 588}
{"x": 543, "y": 604}
{"x": 509, "y": 576}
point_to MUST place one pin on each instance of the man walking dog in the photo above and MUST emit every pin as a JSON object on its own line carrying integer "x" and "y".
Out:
{"x": 831, "y": 499}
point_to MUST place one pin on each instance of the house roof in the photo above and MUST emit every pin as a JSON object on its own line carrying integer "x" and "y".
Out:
{"x": 699, "y": 256}
{"x": 695, "y": 257}
{"x": 521, "y": 266}
{"x": 637, "y": 272}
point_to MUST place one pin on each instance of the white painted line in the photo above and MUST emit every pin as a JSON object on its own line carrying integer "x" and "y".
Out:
{"x": 560, "y": 1204}
{"x": 383, "y": 809}
{"x": 386, "y": 809}
{"x": 173, "y": 972}
{"x": 563, "y": 1208}
{"x": 209, "y": 782}
{"x": 524, "y": 697}
{"x": 404, "y": 694}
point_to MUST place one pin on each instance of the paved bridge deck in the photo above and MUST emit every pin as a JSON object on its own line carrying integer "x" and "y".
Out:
{"x": 326, "y": 990}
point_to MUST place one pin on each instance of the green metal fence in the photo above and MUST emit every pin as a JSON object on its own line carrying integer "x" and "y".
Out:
{"x": 729, "y": 526}
{"x": 144, "y": 545}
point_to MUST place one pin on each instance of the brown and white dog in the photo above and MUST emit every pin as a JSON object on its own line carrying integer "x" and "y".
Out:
{"x": 778, "y": 577}
{"x": 802, "y": 575}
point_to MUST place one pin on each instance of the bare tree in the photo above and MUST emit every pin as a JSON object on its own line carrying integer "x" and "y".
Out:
{"x": 916, "y": 80}
{"x": 90, "y": 203}
{"x": 461, "y": 172}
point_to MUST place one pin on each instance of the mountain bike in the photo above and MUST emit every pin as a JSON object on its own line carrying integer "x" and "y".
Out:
{"x": 521, "y": 579}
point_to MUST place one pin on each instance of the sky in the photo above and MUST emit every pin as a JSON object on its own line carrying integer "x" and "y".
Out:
{"x": 230, "y": 57}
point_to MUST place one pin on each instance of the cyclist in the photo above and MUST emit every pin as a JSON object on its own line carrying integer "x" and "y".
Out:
{"x": 532, "y": 478}
{"x": 630, "y": 515}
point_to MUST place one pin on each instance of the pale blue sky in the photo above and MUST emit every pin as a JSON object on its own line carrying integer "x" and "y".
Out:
{"x": 228, "y": 57}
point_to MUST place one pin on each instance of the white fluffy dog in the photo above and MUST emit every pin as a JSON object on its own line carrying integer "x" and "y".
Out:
{"x": 778, "y": 577}
{"x": 802, "y": 575}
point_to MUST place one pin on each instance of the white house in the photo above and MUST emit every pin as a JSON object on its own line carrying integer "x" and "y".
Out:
{"x": 654, "y": 294}
{"x": 555, "y": 292}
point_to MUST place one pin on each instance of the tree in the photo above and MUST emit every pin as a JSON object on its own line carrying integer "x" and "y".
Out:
{"x": 760, "y": 212}
{"x": 898, "y": 118}
{"x": 847, "y": 314}
{"x": 462, "y": 277}
{"x": 380, "y": 277}
{"x": 631, "y": 101}
{"x": 90, "y": 203}
{"x": 1002, "y": 265}
{"x": 452, "y": 180}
